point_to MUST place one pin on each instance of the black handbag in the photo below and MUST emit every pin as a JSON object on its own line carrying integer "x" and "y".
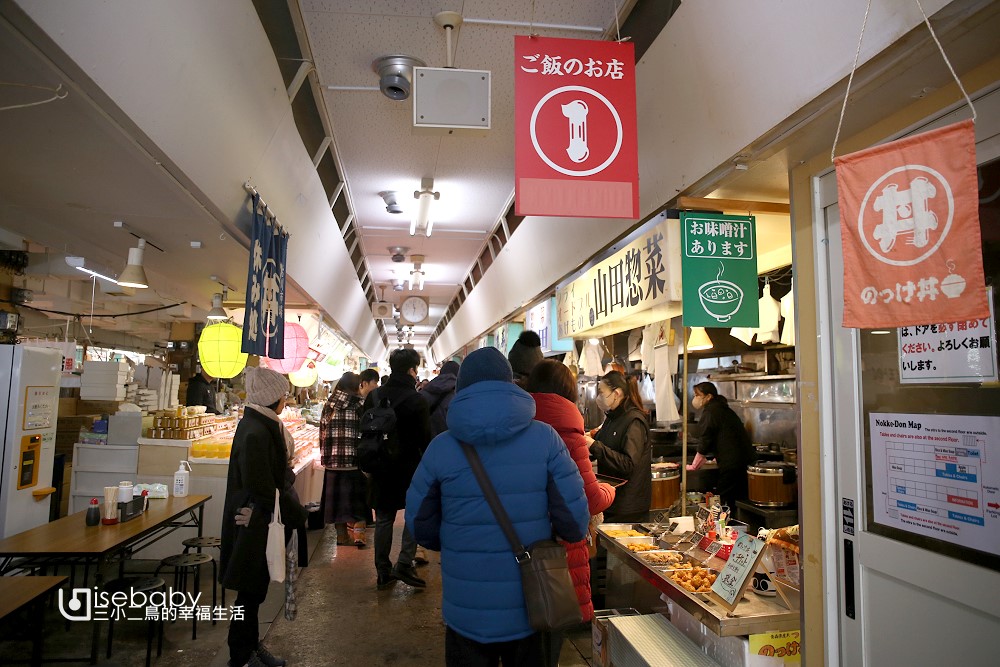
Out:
{"x": 548, "y": 589}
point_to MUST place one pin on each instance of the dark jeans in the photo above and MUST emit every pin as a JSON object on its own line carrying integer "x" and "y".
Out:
{"x": 733, "y": 486}
{"x": 384, "y": 519}
{"x": 461, "y": 651}
{"x": 552, "y": 646}
{"x": 244, "y": 635}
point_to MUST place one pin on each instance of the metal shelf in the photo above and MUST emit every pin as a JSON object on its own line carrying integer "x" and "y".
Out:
{"x": 753, "y": 615}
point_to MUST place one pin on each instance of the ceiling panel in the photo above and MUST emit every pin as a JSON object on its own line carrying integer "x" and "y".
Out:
{"x": 379, "y": 150}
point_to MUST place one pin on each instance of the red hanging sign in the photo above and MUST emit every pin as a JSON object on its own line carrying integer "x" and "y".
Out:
{"x": 910, "y": 231}
{"x": 575, "y": 128}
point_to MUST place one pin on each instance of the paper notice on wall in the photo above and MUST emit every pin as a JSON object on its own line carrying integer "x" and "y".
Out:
{"x": 938, "y": 476}
{"x": 950, "y": 352}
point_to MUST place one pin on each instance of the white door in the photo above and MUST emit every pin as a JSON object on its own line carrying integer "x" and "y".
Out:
{"x": 895, "y": 596}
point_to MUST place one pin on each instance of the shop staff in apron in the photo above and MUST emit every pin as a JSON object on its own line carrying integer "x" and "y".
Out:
{"x": 721, "y": 432}
{"x": 622, "y": 447}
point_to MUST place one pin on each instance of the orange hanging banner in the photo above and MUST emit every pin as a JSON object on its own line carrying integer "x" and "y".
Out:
{"x": 910, "y": 231}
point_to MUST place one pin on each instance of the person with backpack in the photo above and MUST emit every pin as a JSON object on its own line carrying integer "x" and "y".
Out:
{"x": 540, "y": 489}
{"x": 401, "y": 449}
{"x": 439, "y": 393}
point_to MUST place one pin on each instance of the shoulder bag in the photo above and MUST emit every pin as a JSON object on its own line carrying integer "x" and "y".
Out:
{"x": 548, "y": 589}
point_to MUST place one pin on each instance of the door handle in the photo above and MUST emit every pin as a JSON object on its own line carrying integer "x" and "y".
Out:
{"x": 849, "y": 579}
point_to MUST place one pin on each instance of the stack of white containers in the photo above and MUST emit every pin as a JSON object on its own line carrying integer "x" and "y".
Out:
{"x": 104, "y": 380}
{"x": 169, "y": 388}
{"x": 148, "y": 400}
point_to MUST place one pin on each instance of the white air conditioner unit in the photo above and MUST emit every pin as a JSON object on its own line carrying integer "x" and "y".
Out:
{"x": 383, "y": 310}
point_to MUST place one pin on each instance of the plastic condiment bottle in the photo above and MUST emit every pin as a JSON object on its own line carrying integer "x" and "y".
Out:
{"x": 93, "y": 513}
{"x": 181, "y": 480}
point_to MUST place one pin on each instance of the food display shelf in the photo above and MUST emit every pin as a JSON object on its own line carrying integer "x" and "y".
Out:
{"x": 753, "y": 615}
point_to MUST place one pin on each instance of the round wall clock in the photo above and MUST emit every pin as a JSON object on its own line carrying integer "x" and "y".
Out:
{"x": 413, "y": 309}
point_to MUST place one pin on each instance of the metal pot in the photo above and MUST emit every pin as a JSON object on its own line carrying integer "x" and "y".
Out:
{"x": 772, "y": 484}
{"x": 666, "y": 489}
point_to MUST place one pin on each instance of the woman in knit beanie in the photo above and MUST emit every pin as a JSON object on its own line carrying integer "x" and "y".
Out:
{"x": 524, "y": 354}
{"x": 258, "y": 467}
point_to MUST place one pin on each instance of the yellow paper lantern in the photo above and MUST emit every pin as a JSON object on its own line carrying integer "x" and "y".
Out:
{"x": 305, "y": 376}
{"x": 219, "y": 350}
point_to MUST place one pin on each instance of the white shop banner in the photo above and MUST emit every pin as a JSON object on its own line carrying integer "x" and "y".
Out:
{"x": 951, "y": 352}
{"x": 938, "y": 476}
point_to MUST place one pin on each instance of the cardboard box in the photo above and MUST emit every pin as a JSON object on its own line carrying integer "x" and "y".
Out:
{"x": 599, "y": 633}
{"x": 649, "y": 640}
{"x": 161, "y": 458}
{"x": 98, "y": 407}
{"x": 67, "y": 406}
{"x": 182, "y": 331}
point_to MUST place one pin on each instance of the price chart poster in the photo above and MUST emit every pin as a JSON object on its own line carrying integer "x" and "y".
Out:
{"x": 938, "y": 476}
{"x": 576, "y": 147}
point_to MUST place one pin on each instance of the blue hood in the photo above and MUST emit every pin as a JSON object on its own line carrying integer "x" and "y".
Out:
{"x": 490, "y": 411}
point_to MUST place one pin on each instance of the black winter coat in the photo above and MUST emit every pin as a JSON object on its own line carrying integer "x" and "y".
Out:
{"x": 413, "y": 433}
{"x": 439, "y": 393}
{"x": 258, "y": 465}
{"x": 721, "y": 433}
{"x": 201, "y": 392}
{"x": 622, "y": 449}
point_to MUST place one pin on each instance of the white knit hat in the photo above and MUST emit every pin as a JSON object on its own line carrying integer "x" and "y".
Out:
{"x": 264, "y": 386}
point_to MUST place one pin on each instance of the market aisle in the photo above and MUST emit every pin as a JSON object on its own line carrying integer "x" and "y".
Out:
{"x": 343, "y": 620}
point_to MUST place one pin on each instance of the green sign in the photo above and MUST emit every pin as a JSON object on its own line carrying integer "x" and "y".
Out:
{"x": 719, "y": 270}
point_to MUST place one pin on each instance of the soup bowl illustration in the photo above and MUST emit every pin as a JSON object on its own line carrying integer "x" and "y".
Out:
{"x": 721, "y": 299}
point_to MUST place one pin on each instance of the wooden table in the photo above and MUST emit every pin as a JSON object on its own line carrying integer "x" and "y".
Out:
{"x": 18, "y": 592}
{"x": 70, "y": 541}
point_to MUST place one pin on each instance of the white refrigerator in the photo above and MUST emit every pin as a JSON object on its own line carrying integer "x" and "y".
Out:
{"x": 29, "y": 392}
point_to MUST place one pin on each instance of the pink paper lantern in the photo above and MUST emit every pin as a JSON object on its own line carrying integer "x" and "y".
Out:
{"x": 296, "y": 349}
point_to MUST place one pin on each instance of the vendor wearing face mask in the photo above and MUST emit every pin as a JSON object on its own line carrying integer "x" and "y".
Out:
{"x": 721, "y": 432}
{"x": 622, "y": 447}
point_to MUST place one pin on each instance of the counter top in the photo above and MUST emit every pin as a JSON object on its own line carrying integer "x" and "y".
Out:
{"x": 753, "y": 615}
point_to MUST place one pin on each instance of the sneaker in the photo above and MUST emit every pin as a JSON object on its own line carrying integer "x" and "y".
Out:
{"x": 420, "y": 558}
{"x": 408, "y": 575}
{"x": 254, "y": 661}
{"x": 359, "y": 537}
{"x": 385, "y": 581}
{"x": 265, "y": 657}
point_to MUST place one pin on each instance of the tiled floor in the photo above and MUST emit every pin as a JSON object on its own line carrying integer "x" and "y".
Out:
{"x": 342, "y": 620}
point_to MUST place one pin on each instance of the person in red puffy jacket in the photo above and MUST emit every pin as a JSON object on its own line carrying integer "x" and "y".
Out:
{"x": 553, "y": 387}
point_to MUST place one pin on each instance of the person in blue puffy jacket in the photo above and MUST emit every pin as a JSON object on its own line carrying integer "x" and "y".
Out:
{"x": 540, "y": 488}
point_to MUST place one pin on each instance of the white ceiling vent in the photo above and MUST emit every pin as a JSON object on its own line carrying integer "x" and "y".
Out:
{"x": 445, "y": 98}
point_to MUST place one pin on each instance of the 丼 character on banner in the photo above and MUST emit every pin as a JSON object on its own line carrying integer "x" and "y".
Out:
{"x": 910, "y": 231}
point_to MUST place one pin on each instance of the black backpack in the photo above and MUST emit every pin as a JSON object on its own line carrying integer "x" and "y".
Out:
{"x": 378, "y": 446}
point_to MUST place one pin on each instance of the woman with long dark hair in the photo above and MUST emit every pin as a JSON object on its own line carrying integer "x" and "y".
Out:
{"x": 622, "y": 447}
{"x": 721, "y": 433}
{"x": 553, "y": 387}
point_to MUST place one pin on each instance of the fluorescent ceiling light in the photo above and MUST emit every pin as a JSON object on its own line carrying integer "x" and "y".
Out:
{"x": 78, "y": 264}
{"x": 422, "y": 218}
{"x": 881, "y": 331}
{"x": 97, "y": 275}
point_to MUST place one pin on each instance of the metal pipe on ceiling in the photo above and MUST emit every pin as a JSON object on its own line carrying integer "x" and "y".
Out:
{"x": 543, "y": 26}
